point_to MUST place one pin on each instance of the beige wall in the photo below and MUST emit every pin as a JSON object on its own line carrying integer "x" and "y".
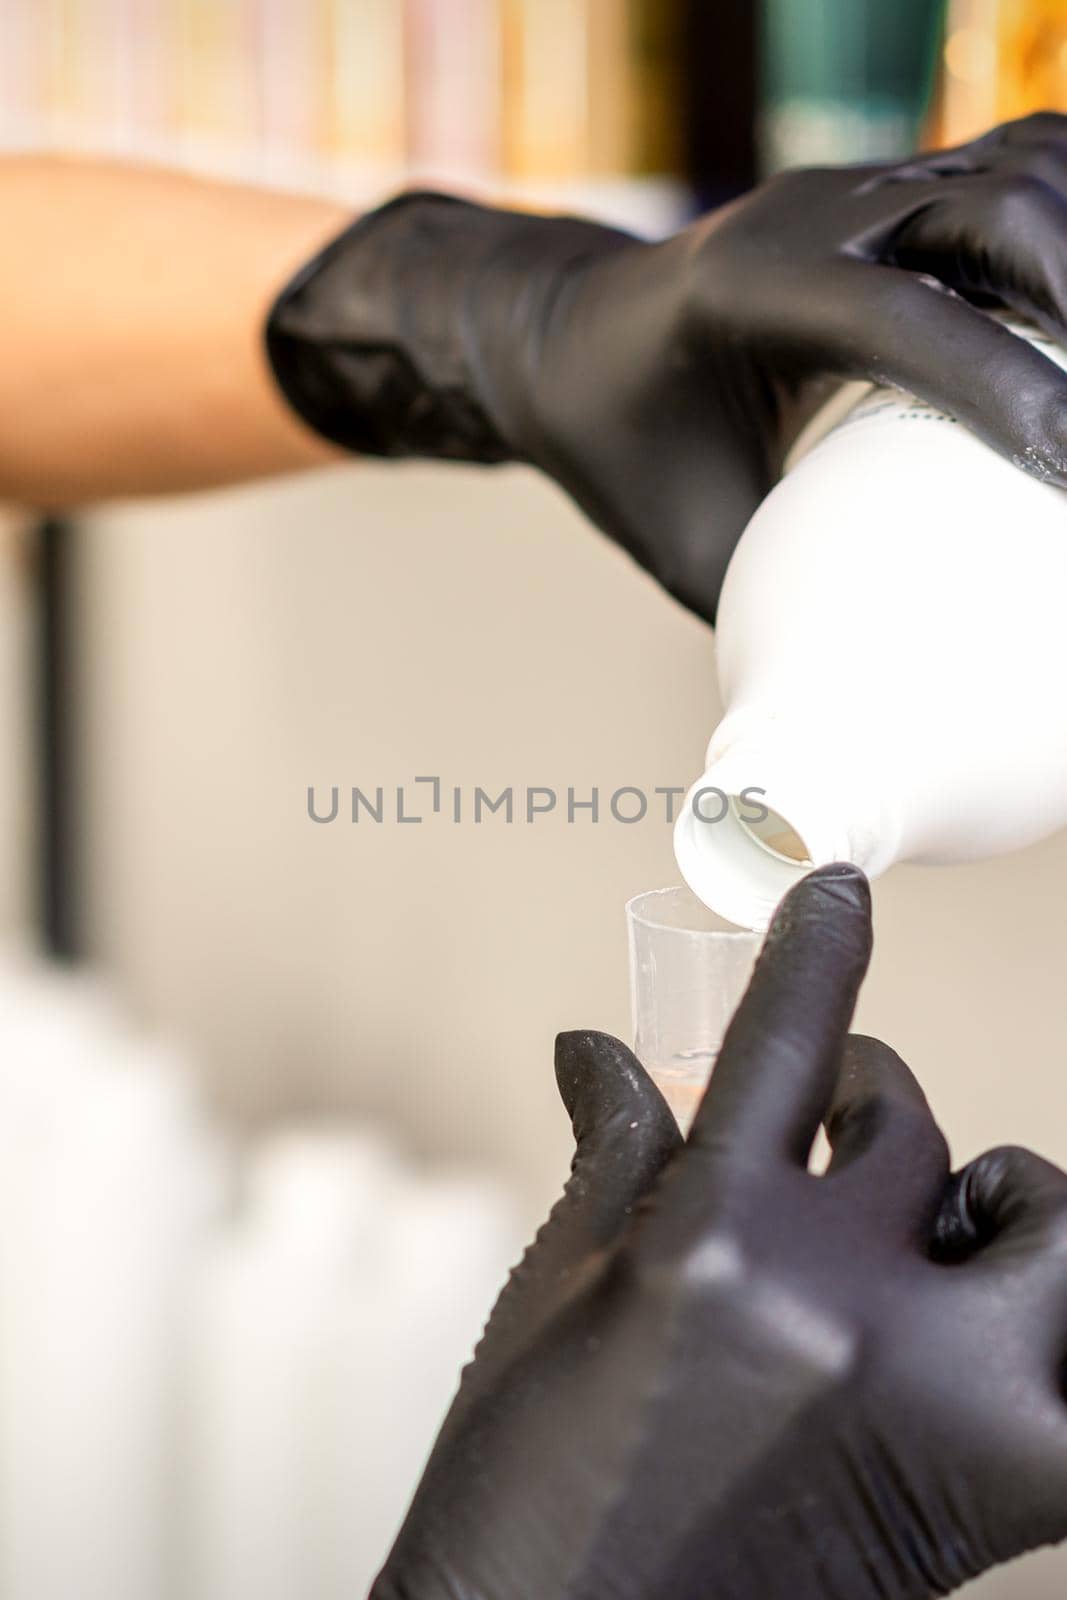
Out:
{"x": 379, "y": 623}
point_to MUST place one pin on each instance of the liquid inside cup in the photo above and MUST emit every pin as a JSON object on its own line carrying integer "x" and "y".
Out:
{"x": 682, "y": 1084}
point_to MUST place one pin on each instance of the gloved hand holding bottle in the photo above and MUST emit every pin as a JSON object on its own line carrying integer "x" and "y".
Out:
{"x": 716, "y": 1375}
{"x": 662, "y": 384}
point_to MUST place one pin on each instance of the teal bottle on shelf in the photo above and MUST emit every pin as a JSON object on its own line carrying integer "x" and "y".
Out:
{"x": 844, "y": 80}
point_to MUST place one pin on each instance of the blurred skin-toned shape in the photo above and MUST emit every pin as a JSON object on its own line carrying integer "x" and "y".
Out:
{"x": 133, "y": 353}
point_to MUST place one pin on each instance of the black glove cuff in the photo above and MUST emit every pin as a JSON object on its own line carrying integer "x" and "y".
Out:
{"x": 416, "y": 332}
{"x": 367, "y": 341}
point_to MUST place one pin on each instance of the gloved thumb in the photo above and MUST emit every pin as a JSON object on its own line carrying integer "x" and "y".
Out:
{"x": 624, "y": 1135}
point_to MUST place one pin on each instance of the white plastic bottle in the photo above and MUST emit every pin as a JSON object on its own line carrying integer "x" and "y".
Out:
{"x": 892, "y": 656}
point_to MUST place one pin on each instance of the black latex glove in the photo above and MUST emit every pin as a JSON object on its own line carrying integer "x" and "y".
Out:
{"x": 661, "y": 384}
{"x": 716, "y": 1376}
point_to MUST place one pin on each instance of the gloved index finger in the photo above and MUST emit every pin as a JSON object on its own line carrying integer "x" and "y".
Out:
{"x": 778, "y": 1065}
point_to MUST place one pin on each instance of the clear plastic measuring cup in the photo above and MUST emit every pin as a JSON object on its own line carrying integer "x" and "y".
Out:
{"x": 688, "y": 970}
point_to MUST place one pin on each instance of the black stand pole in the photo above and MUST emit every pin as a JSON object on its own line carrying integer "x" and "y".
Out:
{"x": 57, "y": 787}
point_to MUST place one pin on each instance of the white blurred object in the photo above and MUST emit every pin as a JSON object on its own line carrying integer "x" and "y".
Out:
{"x": 452, "y": 1240}
{"x": 273, "y": 1291}
{"x": 332, "y": 1321}
{"x": 195, "y": 1405}
{"x": 106, "y": 1177}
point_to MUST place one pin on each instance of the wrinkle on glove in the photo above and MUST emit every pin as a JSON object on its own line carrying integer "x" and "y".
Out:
{"x": 718, "y": 1376}
{"x": 662, "y": 384}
